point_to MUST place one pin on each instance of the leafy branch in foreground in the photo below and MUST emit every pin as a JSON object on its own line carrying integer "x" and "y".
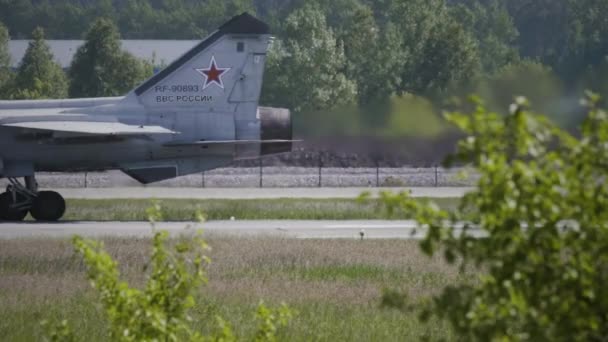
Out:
{"x": 541, "y": 206}
{"x": 159, "y": 312}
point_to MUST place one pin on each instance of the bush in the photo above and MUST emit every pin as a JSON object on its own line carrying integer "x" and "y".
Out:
{"x": 541, "y": 204}
{"x": 159, "y": 312}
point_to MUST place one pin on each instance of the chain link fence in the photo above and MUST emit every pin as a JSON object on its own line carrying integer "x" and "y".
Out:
{"x": 275, "y": 177}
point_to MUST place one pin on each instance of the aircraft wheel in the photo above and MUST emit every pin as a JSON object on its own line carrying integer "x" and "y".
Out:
{"x": 48, "y": 206}
{"x": 6, "y": 212}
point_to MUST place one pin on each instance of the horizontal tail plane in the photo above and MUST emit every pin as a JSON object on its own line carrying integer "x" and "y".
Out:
{"x": 229, "y": 142}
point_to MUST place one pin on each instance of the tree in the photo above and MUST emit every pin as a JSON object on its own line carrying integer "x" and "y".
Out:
{"x": 449, "y": 56}
{"x": 595, "y": 78}
{"x": 306, "y": 71}
{"x": 542, "y": 26}
{"x": 5, "y": 58}
{"x": 540, "y": 207}
{"x": 5, "y": 62}
{"x": 372, "y": 55}
{"x": 493, "y": 29}
{"x": 586, "y": 46}
{"x": 138, "y": 19}
{"x": 39, "y": 76}
{"x": 18, "y": 17}
{"x": 67, "y": 19}
{"x": 436, "y": 49}
{"x": 101, "y": 68}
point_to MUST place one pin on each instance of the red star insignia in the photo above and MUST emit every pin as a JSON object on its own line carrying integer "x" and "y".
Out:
{"x": 213, "y": 74}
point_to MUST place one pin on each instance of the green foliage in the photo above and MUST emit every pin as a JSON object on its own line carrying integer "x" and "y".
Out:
{"x": 311, "y": 55}
{"x": 39, "y": 76}
{"x": 101, "y": 68}
{"x": 170, "y": 19}
{"x": 372, "y": 55}
{"x": 270, "y": 321}
{"x": 595, "y": 78}
{"x": 160, "y": 311}
{"x": 540, "y": 202}
{"x": 394, "y": 299}
{"x": 449, "y": 56}
{"x": 5, "y": 58}
{"x": 6, "y": 74}
{"x": 58, "y": 331}
{"x": 141, "y": 19}
{"x": 564, "y": 34}
{"x": 542, "y": 26}
{"x": 493, "y": 29}
{"x": 586, "y": 28}
{"x": 437, "y": 50}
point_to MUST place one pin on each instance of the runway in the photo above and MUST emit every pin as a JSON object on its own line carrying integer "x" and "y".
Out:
{"x": 251, "y": 193}
{"x": 350, "y": 229}
{"x": 373, "y": 229}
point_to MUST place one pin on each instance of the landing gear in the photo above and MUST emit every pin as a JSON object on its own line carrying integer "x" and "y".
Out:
{"x": 48, "y": 206}
{"x": 11, "y": 207}
{"x": 19, "y": 199}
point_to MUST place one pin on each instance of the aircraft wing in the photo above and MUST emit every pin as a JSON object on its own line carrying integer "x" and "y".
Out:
{"x": 90, "y": 127}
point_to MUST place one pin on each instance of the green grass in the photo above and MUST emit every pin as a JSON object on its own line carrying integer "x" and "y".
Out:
{"x": 334, "y": 286}
{"x": 255, "y": 209}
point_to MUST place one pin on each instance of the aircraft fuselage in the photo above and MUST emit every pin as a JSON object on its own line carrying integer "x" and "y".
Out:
{"x": 200, "y": 112}
{"x": 51, "y": 151}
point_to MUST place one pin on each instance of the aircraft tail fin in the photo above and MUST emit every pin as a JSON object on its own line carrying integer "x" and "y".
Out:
{"x": 218, "y": 74}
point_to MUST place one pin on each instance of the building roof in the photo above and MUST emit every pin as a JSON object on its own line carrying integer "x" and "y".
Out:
{"x": 162, "y": 52}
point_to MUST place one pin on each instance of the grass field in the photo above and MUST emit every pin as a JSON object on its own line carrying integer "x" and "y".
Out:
{"x": 334, "y": 286}
{"x": 183, "y": 210}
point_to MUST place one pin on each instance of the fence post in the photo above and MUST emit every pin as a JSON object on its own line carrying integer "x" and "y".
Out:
{"x": 377, "y": 175}
{"x": 85, "y": 180}
{"x": 261, "y": 174}
{"x": 203, "y": 174}
{"x": 320, "y": 166}
{"x": 436, "y": 180}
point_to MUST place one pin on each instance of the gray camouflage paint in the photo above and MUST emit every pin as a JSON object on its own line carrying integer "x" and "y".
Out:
{"x": 158, "y": 130}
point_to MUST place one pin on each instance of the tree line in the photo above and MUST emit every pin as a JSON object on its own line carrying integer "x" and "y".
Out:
{"x": 99, "y": 67}
{"x": 564, "y": 34}
{"x": 358, "y": 54}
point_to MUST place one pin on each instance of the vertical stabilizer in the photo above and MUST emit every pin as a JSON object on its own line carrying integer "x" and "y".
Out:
{"x": 222, "y": 72}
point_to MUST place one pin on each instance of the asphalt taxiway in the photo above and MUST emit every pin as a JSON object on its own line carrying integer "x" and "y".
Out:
{"x": 350, "y": 229}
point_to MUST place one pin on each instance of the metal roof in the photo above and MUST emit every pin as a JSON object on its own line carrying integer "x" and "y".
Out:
{"x": 163, "y": 52}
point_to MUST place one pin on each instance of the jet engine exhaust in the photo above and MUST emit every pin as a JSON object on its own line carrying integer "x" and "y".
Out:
{"x": 275, "y": 124}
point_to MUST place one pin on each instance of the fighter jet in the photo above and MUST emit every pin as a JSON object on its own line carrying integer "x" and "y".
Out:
{"x": 200, "y": 112}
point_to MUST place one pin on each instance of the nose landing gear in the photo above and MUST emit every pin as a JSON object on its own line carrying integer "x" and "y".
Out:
{"x": 19, "y": 199}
